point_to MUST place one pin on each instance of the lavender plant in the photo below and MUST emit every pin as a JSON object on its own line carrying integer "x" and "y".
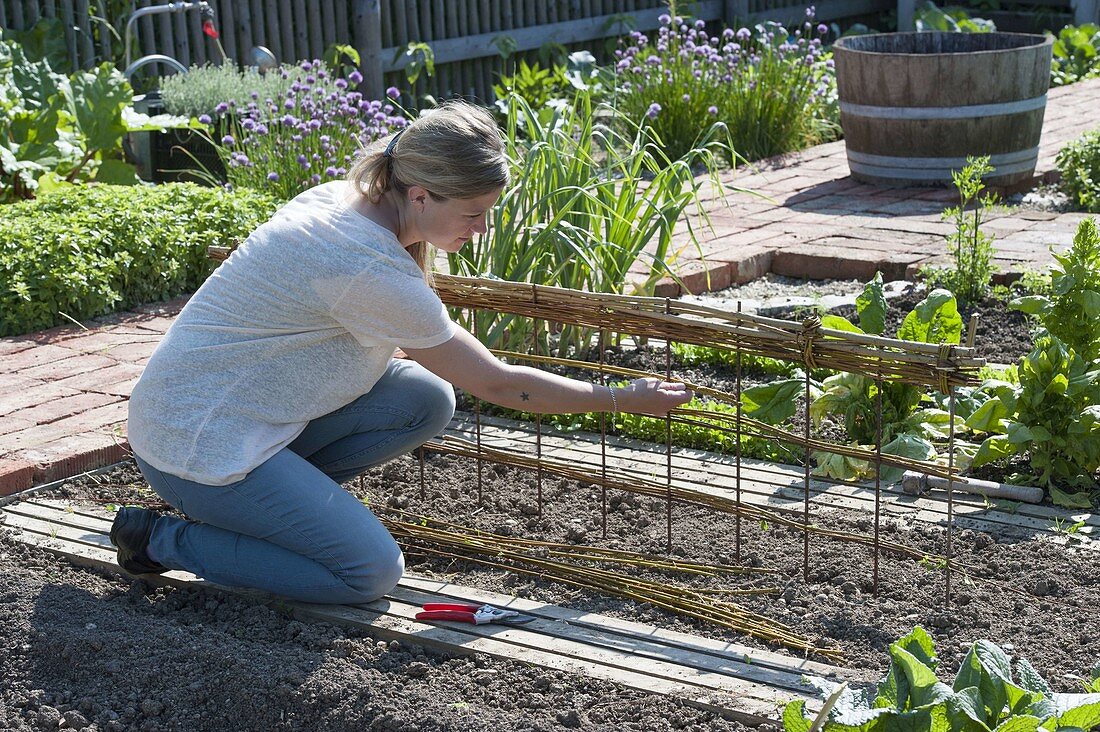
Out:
{"x": 771, "y": 87}
{"x": 304, "y": 136}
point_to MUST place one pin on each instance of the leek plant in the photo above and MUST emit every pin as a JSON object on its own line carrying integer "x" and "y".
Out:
{"x": 585, "y": 203}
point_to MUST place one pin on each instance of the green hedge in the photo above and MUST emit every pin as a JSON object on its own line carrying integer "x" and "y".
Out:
{"x": 91, "y": 250}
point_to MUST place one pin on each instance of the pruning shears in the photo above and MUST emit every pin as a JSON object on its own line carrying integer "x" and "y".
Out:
{"x": 473, "y": 614}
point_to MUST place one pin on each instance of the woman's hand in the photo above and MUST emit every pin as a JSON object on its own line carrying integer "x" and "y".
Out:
{"x": 652, "y": 396}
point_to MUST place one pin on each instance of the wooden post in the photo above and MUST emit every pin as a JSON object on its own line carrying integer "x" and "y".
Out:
{"x": 1086, "y": 11}
{"x": 735, "y": 12}
{"x": 906, "y": 12}
{"x": 368, "y": 41}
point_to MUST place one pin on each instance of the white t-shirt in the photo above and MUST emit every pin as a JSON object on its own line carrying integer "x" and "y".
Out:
{"x": 302, "y": 319}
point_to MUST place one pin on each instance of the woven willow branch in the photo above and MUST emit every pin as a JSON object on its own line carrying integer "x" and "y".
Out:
{"x": 921, "y": 364}
{"x": 441, "y": 538}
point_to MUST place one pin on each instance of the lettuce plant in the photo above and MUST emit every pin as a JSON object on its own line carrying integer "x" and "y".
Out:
{"x": 907, "y": 429}
{"x": 1076, "y": 54}
{"x": 990, "y": 693}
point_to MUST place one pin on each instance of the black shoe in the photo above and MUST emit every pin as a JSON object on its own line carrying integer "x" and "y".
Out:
{"x": 130, "y": 533}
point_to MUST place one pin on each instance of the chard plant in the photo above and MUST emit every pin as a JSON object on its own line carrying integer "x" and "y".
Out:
{"x": 770, "y": 86}
{"x": 990, "y": 693}
{"x": 57, "y": 129}
{"x": 1053, "y": 417}
{"x": 1071, "y": 311}
{"x": 908, "y": 428}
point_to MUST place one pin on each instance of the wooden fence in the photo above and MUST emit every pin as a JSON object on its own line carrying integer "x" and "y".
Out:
{"x": 466, "y": 36}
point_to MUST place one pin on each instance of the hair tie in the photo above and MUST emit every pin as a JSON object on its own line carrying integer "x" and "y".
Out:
{"x": 388, "y": 152}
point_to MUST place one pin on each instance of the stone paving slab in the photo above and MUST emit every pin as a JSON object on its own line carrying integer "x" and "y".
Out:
{"x": 63, "y": 392}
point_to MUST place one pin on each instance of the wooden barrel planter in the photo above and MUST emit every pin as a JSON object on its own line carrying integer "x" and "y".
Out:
{"x": 913, "y": 106}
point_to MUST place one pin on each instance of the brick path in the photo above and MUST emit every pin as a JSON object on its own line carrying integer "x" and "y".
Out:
{"x": 63, "y": 392}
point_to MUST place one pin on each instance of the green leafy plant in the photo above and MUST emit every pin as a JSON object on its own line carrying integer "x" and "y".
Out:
{"x": 971, "y": 248}
{"x": 1076, "y": 54}
{"x": 537, "y": 84}
{"x": 89, "y": 250}
{"x": 1079, "y": 164}
{"x": 950, "y": 20}
{"x": 907, "y": 429}
{"x": 989, "y": 693}
{"x": 582, "y": 207}
{"x": 1071, "y": 311}
{"x": 1053, "y": 417}
{"x": 57, "y": 129}
{"x": 220, "y": 90}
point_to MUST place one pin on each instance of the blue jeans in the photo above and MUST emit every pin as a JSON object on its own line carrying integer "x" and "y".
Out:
{"x": 288, "y": 527}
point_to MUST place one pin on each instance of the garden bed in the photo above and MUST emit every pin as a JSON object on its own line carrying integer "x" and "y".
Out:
{"x": 100, "y": 646}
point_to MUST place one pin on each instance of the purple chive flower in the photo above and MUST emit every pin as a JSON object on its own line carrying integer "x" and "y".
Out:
{"x": 393, "y": 92}
{"x": 330, "y": 172}
{"x": 664, "y": 19}
{"x": 355, "y": 77}
{"x": 306, "y": 66}
{"x": 712, "y": 110}
{"x": 744, "y": 34}
{"x": 686, "y": 98}
{"x": 228, "y": 140}
{"x": 341, "y": 84}
{"x": 221, "y": 108}
{"x": 205, "y": 119}
{"x": 653, "y": 111}
{"x": 273, "y": 176}
{"x": 822, "y": 28}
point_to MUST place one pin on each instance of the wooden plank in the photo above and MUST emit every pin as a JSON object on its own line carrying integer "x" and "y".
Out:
{"x": 580, "y": 30}
{"x": 392, "y": 617}
{"x": 629, "y": 629}
{"x": 84, "y": 30}
{"x": 286, "y": 26}
{"x": 270, "y": 15}
{"x": 243, "y": 30}
{"x": 19, "y": 22}
{"x": 720, "y": 473}
{"x": 328, "y": 19}
{"x": 4, "y": 14}
{"x": 568, "y": 632}
{"x": 312, "y": 22}
{"x": 68, "y": 21}
{"x": 301, "y": 31}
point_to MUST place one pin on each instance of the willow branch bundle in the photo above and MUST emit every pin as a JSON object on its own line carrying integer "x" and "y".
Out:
{"x": 629, "y": 482}
{"x": 451, "y": 540}
{"x": 922, "y": 364}
{"x": 749, "y": 426}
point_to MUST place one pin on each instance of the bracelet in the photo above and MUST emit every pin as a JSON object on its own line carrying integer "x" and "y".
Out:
{"x": 614, "y": 401}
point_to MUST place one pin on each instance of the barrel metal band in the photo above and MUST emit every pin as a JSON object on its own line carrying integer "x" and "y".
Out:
{"x": 958, "y": 112}
{"x": 920, "y": 168}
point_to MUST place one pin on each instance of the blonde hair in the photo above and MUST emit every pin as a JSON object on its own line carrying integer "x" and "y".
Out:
{"x": 453, "y": 151}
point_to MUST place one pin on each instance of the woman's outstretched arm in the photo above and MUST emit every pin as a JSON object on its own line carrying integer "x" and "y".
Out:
{"x": 469, "y": 365}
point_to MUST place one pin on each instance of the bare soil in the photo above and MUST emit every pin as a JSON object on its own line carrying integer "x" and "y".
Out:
{"x": 95, "y": 651}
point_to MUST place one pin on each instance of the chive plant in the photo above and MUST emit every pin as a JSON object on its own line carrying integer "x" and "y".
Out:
{"x": 308, "y": 134}
{"x": 772, "y": 87}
